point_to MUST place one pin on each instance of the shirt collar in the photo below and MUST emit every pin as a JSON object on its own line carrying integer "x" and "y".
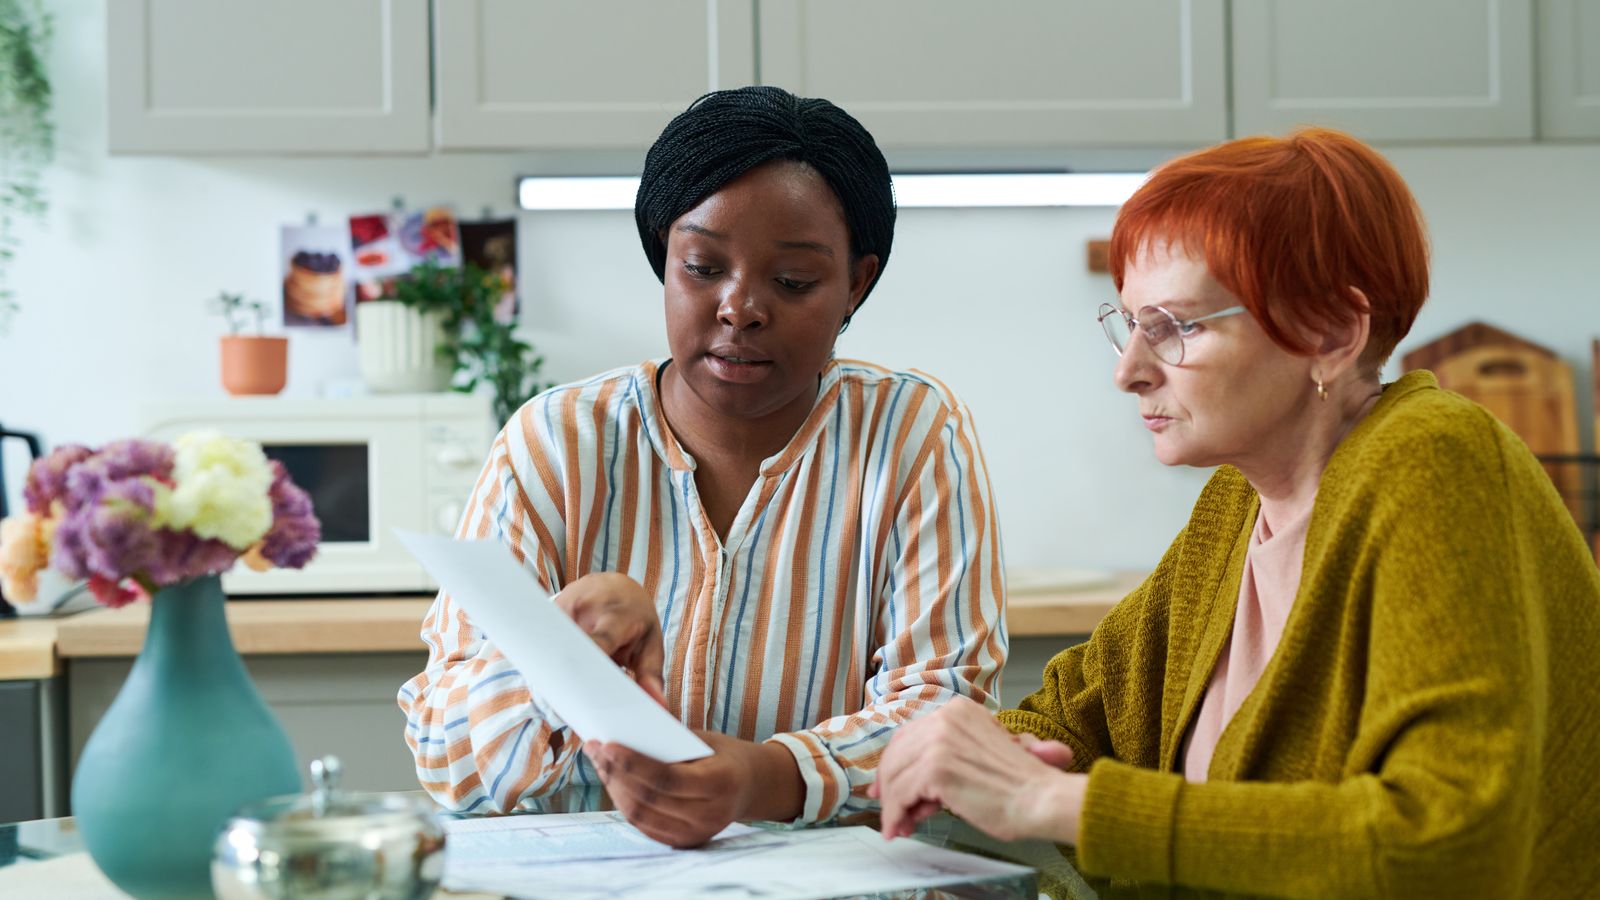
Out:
{"x": 678, "y": 459}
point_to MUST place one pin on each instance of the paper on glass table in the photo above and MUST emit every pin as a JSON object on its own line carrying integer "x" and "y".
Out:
{"x": 601, "y": 855}
{"x": 567, "y": 669}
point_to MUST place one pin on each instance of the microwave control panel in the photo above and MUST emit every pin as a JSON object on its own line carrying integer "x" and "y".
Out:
{"x": 455, "y": 454}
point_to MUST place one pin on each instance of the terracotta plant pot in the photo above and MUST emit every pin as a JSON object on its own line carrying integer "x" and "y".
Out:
{"x": 254, "y": 365}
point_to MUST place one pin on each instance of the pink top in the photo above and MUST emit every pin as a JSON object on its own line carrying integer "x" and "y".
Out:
{"x": 1266, "y": 594}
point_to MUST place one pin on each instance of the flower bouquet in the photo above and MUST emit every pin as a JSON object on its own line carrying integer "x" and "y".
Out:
{"x": 137, "y": 516}
{"x": 188, "y": 740}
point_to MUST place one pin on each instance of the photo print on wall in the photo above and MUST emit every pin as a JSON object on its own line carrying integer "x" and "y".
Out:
{"x": 314, "y": 260}
{"x": 387, "y": 245}
{"x": 491, "y": 245}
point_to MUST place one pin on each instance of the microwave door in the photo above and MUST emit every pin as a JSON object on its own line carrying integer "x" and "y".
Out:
{"x": 361, "y": 487}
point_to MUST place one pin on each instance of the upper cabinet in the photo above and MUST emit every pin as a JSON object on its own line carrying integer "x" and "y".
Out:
{"x": 291, "y": 76}
{"x": 546, "y": 74}
{"x": 976, "y": 78}
{"x": 1569, "y": 69}
{"x": 954, "y": 73}
{"x": 1422, "y": 70}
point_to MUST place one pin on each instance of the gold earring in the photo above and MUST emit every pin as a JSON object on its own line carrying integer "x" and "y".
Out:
{"x": 1322, "y": 392}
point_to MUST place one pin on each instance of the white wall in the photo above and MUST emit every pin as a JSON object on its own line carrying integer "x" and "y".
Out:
{"x": 995, "y": 302}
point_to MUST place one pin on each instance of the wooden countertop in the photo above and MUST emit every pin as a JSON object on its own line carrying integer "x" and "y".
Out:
{"x": 34, "y": 648}
{"x": 1054, "y": 613}
{"x": 320, "y": 625}
{"x": 28, "y": 649}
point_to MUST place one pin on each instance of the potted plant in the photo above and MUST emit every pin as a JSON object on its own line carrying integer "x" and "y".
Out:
{"x": 27, "y": 136}
{"x": 251, "y": 363}
{"x": 398, "y": 344}
{"x": 479, "y": 348}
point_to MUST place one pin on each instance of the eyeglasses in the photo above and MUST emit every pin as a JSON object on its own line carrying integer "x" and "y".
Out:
{"x": 1162, "y": 330}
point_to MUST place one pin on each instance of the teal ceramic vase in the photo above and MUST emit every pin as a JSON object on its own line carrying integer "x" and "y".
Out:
{"x": 186, "y": 742}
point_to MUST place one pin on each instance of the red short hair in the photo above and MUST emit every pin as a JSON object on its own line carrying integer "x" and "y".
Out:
{"x": 1290, "y": 225}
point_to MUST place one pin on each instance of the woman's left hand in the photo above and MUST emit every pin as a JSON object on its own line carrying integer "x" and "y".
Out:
{"x": 961, "y": 757}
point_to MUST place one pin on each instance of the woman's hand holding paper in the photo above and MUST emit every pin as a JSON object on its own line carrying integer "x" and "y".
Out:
{"x": 686, "y": 804}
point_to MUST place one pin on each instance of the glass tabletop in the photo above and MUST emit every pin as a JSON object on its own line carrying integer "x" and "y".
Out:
{"x": 27, "y": 842}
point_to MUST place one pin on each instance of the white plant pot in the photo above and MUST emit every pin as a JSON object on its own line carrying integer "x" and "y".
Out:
{"x": 399, "y": 348}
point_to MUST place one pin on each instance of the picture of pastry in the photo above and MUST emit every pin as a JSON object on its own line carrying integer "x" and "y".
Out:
{"x": 316, "y": 276}
{"x": 314, "y": 287}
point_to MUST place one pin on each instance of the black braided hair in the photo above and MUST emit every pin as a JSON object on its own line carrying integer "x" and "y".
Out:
{"x": 724, "y": 134}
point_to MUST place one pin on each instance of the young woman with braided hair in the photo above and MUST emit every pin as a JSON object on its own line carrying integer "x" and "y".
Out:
{"x": 793, "y": 553}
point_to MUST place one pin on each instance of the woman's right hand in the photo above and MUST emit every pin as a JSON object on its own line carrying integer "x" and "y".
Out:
{"x": 620, "y": 617}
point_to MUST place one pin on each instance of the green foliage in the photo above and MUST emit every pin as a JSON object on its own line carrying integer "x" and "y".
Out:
{"x": 233, "y": 307}
{"x": 27, "y": 136}
{"x": 481, "y": 349}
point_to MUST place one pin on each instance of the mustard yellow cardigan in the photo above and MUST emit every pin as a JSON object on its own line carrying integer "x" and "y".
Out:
{"x": 1430, "y": 723}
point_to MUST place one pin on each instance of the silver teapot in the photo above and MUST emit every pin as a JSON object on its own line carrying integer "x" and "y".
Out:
{"x": 329, "y": 845}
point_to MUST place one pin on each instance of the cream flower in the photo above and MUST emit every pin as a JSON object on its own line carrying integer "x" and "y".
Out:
{"x": 24, "y": 550}
{"x": 221, "y": 490}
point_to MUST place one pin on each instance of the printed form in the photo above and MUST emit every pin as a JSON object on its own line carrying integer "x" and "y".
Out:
{"x": 592, "y": 855}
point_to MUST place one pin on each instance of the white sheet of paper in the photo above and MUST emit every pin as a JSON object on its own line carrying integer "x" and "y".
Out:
{"x": 571, "y": 856}
{"x": 557, "y": 660}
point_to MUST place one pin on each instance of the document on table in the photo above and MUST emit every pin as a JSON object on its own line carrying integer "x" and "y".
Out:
{"x": 600, "y": 855}
{"x": 559, "y": 662}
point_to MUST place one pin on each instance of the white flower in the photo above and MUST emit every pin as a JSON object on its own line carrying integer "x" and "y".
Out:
{"x": 221, "y": 490}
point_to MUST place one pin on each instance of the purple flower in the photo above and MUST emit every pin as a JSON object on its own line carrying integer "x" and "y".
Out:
{"x": 292, "y": 540}
{"x": 180, "y": 556}
{"x": 127, "y": 458}
{"x": 89, "y": 481}
{"x": 70, "y": 553}
{"x": 120, "y": 541}
{"x": 107, "y": 498}
{"x": 47, "y": 477}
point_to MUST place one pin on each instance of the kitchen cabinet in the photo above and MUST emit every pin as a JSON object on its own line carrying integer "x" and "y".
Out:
{"x": 343, "y": 704}
{"x": 292, "y": 76}
{"x": 1423, "y": 70}
{"x": 407, "y": 76}
{"x": 32, "y": 753}
{"x": 1569, "y": 69}
{"x": 552, "y": 74}
{"x": 952, "y": 73}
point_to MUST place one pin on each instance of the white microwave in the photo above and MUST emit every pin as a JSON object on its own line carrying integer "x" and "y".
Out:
{"x": 370, "y": 465}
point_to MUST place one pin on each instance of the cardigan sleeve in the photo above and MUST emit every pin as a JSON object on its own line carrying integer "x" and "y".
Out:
{"x": 1441, "y": 782}
{"x": 1102, "y": 698}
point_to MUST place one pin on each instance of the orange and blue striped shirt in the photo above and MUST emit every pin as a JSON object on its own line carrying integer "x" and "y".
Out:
{"x": 860, "y": 584}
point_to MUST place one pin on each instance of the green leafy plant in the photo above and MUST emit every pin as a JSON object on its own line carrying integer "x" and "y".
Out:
{"x": 234, "y": 308}
{"x": 27, "y": 135}
{"x": 482, "y": 349}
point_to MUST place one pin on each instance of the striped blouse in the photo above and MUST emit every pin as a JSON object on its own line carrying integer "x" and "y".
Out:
{"x": 860, "y": 583}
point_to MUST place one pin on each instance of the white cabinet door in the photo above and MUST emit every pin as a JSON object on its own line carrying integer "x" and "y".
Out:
{"x": 551, "y": 74}
{"x": 1569, "y": 69}
{"x": 1385, "y": 70}
{"x": 958, "y": 73}
{"x": 290, "y": 76}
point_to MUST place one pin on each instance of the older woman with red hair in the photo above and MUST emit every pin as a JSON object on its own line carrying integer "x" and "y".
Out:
{"x": 1366, "y": 667}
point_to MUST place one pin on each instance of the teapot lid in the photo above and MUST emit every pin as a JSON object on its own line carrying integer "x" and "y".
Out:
{"x": 327, "y": 806}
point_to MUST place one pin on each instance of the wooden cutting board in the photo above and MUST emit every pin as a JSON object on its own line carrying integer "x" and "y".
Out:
{"x": 1467, "y": 337}
{"x": 1532, "y": 392}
